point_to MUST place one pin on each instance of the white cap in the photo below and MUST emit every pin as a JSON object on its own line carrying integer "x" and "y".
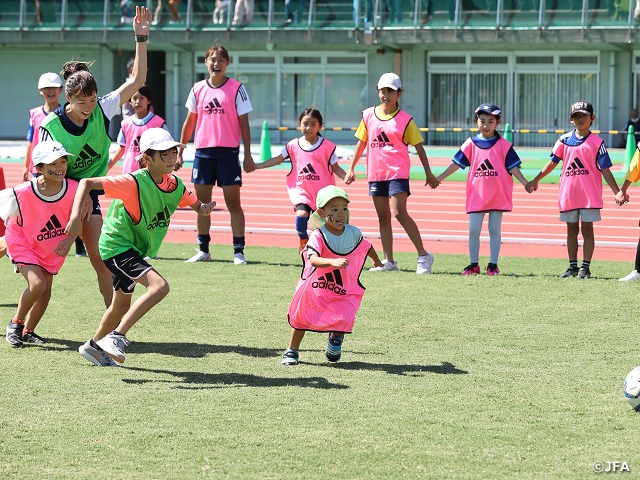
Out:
{"x": 48, "y": 152}
{"x": 157, "y": 139}
{"x": 390, "y": 80}
{"x": 49, "y": 80}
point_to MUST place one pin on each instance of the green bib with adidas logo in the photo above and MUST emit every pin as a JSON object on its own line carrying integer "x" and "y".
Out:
{"x": 90, "y": 150}
{"x": 120, "y": 233}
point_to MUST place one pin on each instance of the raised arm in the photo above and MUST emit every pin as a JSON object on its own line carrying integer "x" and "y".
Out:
{"x": 141, "y": 23}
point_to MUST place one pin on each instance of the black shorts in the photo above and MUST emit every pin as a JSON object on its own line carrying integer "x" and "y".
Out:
{"x": 388, "y": 188}
{"x": 126, "y": 268}
{"x": 303, "y": 206}
{"x": 95, "y": 196}
{"x": 219, "y": 165}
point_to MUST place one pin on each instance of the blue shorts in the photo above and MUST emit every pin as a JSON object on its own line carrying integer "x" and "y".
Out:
{"x": 219, "y": 165}
{"x": 388, "y": 188}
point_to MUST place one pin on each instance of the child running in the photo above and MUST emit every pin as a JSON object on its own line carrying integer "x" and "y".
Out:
{"x": 313, "y": 165}
{"x": 35, "y": 213}
{"x": 134, "y": 228}
{"x": 391, "y": 131}
{"x": 585, "y": 161}
{"x": 491, "y": 160}
{"x": 329, "y": 292}
{"x": 132, "y": 128}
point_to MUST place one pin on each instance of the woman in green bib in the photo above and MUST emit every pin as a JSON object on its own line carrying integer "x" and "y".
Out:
{"x": 83, "y": 129}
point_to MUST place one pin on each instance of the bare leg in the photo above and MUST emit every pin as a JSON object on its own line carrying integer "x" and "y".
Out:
{"x": 589, "y": 241}
{"x": 384, "y": 220}
{"x": 203, "y": 193}
{"x": 158, "y": 12}
{"x": 35, "y": 299}
{"x": 3, "y": 247}
{"x": 296, "y": 338}
{"x": 91, "y": 235}
{"x": 232, "y": 200}
{"x": 399, "y": 203}
{"x": 573, "y": 229}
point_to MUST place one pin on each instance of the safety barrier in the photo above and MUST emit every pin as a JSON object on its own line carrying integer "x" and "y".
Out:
{"x": 460, "y": 129}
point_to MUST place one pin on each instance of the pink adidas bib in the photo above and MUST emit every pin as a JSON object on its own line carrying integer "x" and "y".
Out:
{"x": 387, "y": 154}
{"x": 218, "y": 124}
{"x": 36, "y": 115}
{"x": 132, "y": 134}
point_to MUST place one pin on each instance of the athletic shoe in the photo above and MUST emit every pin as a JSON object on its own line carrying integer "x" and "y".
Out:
{"x": 387, "y": 266}
{"x": 471, "y": 270}
{"x": 238, "y": 259}
{"x": 571, "y": 272}
{"x": 424, "y": 264}
{"x": 14, "y": 334}
{"x": 290, "y": 357}
{"x": 199, "y": 257}
{"x": 114, "y": 344}
{"x": 95, "y": 356}
{"x": 33, "y": 337}
{"x": 632, "y": 277}
{"x": 584, "y": 272}
{"x": 334, "y": 348}
{"x": 492, "y": 269}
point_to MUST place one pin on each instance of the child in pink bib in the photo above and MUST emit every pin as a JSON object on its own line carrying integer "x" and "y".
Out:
{"x": 329, "y": 292}
{"x": 313, "y": 165}
{"x": 585, "y": 161}
{"x": 36, "y": 214}
{"x": 491, "y": 161}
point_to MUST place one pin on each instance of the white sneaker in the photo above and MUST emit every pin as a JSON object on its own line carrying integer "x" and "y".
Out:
{"x": 632, "y": 277}
{"x": 387, "y": 266}
{"x": 238, "y": 259}
{"x": 199, "y": 257}
{"x": 424, "y": 264}
{"x": 114, "y": 345}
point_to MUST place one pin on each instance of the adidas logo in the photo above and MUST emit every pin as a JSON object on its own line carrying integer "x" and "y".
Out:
{"x": 87, "y": 157}
{"x": 52, "y": 229}
{"x": 161, "y": 220}
{"x": 238, "y": 179}
{"x": 576, "y": 168}
{"x": 331, "y": 281}
{"x": 136, "y": 144}
{"x": 381, "y": 141}
{"x": 213, "y": 107}
{"x": 308, "y": 173}
{"x": 485, "y": 170}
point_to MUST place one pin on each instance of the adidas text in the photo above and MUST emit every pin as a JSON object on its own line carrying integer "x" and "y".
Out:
{"x": 308, "y": 176}
{"x": 381, "y": 144}
{"x": 159, "y": 224}
{"x": 576, "y": 171}
{"x": 334, "y": 287}
{"x": 50, "y": 234}
{"x": 211, "y": 111}
{"x": 486, "y": 173}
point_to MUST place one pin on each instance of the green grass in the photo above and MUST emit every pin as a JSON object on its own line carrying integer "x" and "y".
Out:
{"x": 516, "y": 376}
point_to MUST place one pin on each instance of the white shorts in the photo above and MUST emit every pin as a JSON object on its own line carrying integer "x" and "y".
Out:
{"x": 587, "y": 215}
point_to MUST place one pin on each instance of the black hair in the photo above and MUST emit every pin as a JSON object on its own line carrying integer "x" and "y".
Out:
{"x": 313, "y": 113}
{"x": 79, "y": 81}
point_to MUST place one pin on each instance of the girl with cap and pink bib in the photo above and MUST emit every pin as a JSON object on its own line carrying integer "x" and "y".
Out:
{"x": 329, "y": 291}
{"x": 386, "y": 132}
{"x": 313, "y": 165}
{"x": 492, "y": 161}
{"x": 36, "y": 213}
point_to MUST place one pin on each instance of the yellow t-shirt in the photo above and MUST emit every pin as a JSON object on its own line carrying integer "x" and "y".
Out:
{"x": 412, "y": 135}
{"x": 633, "y": 175}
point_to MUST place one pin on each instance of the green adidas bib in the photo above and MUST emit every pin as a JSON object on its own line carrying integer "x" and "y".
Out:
{"x": 90, "y": 150}
{"x": 120, "y": 234}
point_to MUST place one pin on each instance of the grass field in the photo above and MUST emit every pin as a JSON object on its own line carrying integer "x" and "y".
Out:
{"x": 517, "y": 376}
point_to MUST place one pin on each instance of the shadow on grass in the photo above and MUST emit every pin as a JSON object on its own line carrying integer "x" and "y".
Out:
{"x": 199, "y": 380}
{"x": 250, "y": 262}
{"x": 9, "y": 305}
{"x": 445, "y": 368}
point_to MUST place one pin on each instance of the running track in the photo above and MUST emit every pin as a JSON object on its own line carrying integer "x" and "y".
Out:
{"x": 532, "y": 229}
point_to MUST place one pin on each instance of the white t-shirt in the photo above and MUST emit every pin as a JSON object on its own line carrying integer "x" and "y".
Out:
{"x": 307, "y": 147}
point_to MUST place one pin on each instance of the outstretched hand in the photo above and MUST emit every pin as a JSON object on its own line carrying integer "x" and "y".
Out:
{"x": 207, "y": 208}
{"x": 142, "y": 21}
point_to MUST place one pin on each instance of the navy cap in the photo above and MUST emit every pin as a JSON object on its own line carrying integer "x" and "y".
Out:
{"x": 581, "y": 106}
{"x": 489, "y": 108}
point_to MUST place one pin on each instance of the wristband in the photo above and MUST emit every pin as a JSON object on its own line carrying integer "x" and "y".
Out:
{"x": 142, "y": 38}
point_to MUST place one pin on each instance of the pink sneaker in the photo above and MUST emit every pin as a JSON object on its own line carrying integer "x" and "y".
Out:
{"x": 471, "y": 270}
{"x": 492, "y": 269}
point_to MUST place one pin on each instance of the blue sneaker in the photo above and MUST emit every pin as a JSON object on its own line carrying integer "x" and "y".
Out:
{"x": 334, "y": 348}
{"x": 290, "y": 357}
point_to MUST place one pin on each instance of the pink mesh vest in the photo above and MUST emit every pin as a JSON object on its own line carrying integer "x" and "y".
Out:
{"x": 489, "y": 184}
{"x": 218, "y": 124}
{"x": 36, "y": 115}
{"x": 580, "y": 180}
{"x": 34, "y": 234}
{"x": 387, "y": 154}
{"x": 310, "y": 171}
{"x": 327, "y": 299}
{"x": 132, "y": 134}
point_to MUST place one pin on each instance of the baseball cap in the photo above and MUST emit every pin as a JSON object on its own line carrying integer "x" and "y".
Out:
{"x": 490, "y": 109}
{"x": 329, "y": 192}
{"x": 157, "y": 139}
{"x": 48, "y": 152}
{"x": 390, "y": 80}
{"x": 581, "y": 106}
{"x": 49, "y": 79}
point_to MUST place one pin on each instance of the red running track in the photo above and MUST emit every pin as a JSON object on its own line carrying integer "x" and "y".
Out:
{"x": 532, "y": 229}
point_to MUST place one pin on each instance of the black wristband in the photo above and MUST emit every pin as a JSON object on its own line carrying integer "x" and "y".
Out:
{"x": 142, "y": 38}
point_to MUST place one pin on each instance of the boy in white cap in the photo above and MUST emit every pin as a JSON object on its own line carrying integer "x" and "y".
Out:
{"x": 35, "y": 213}
{"x": 134, "y": 228}
{"x": 386, "y": 132}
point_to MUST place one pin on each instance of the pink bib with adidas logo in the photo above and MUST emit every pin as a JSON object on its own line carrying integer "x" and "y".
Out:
{"x": 36, "y": 115}
{"x": 218, "y": 124}
{"x": 132, "y": 134}
{"x": 387, "y": 154}
{"x": 327, "y": 299}
{"x": 310, "y": 171}
{"x": 34, "y": 234}
{"x": 580, "y": 180}
{"x": 489, "y": 184}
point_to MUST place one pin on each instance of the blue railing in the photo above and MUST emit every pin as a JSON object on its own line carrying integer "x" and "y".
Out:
{"x": 364, "y": 15}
